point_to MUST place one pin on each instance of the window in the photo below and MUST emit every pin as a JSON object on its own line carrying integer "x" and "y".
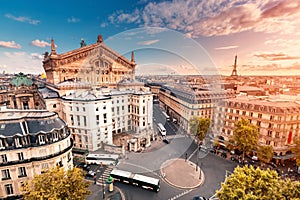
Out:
{"x": 44, "y": 166}
{"x": 22, "y": 172}
{"x": 20, "y": 156}
{"x": 104, "y": 107}
{"x": 83, "y": 109}
{"x": 259, "y": 115}
{"x": 104, "y": 117}
{"x": 258, "y": 123}
{"x": 244, "y": 113}
{"x": 268, "y": 142}
{"x": 270, "y": 133}
{"x": 18, "y": 142}
{"x": 5, "y": 174}
{"x": 277, "y": 134}
{"x": 97, "y": 119}
{"x": 9, "y": 189}
{"x": 77, "y": 108}
{"x": 84, "y": 121}
{"x": 41, "y": 139}
{"x": 78, "y": 120}
{"x": 55, "y": 136}
{"x": 251, "y": 114}
{"x": 2, "y": 146}
{"x": 72, "y": 120}
{"x": 3, "y": 158}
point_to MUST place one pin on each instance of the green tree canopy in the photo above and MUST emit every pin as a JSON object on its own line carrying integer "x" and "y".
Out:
{"x": 199, "y": 127}
{"x": 257, "y": 184}
{"x": 245, "y": 136}
{"x": 265, "y": 153}
{"x": 57, "y": 184}
{"x": 296, "y": 151}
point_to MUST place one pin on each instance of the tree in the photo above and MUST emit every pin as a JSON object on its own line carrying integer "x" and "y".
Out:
{"x": 245, "y": 136}
{"x": 57, "y": 183}
{"x": 296, "y": 151}
{"x": 291, "y": 189}
{"x": 250, "y": 183}
{"x": 199, "y": 127}
{"x": 265, "y": 153}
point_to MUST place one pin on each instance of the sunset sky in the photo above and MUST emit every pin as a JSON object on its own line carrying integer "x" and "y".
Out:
{"x": 174, "y": 35}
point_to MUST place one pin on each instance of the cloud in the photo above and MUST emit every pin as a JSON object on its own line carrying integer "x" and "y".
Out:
{"x": 148, "y": 42}
{"x": 226, "y": 47}
{"x": 36, "y": 56}
{"x": 276, "y": 56}
{"x": 271, "y": 67}
{"x": 40, "y": 43}
{"x": 103, "y": 24}
{"x": 209, "y": 18}
{"x": 73, "y": 20}
{"x": 22, "y": 19}
{"x": 22, "y": 62}
{"x": 10, "y": 44}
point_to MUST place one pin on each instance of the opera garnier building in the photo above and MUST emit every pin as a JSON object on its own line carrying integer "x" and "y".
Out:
{"x": 31, "y": 141}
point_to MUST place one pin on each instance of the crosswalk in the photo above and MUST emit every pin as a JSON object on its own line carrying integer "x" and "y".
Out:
{"x": 102, "y": 179}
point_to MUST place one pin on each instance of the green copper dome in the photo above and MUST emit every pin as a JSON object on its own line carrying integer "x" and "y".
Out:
{"x": 20, "y": 79}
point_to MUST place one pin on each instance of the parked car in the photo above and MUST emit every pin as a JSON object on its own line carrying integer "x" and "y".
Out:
{"x": 91, "y": 173}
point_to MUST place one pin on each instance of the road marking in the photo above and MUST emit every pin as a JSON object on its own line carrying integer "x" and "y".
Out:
{"x": 192, "y": 154}
{"x": 181, "y": 194}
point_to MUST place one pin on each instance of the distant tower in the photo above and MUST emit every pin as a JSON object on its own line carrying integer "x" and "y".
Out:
{"x": 234, "y": 72}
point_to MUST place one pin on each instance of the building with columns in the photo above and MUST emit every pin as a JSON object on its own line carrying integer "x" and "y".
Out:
{"x": 94, "y": 90}
{"x": 277, "y": 118}
{"x": 30, "y": 143}
{"x": 94, "y": 64}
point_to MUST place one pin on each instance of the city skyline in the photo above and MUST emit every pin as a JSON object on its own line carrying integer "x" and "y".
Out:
{"x": 264, "y": 34}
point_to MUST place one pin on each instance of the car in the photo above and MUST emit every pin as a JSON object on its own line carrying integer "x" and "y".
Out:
{"x": 83, "y": 166}
{"x": 91, "y": 173}
{"x": 199, "y": 198}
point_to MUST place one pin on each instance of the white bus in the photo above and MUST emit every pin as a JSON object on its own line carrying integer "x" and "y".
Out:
{"x": 136, "y": 179}
{"x": 102, "y": 159}
{"x": 161, "y": 129}
{"x": 166, "y": 116}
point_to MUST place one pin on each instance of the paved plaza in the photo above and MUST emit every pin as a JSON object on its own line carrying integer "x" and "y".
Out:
{"x": 182, "y": 173}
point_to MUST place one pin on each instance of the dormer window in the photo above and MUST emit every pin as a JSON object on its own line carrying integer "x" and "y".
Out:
{"x": 55, "y": 136}
{"x": 2, "y": 146}
{"x": 41, "y": 139}
{"x": 18, "y": 142}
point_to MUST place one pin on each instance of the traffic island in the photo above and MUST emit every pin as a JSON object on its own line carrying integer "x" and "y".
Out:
{"x": 182, "y": 173}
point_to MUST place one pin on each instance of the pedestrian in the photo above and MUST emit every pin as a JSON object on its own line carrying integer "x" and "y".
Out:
{"x": 95, "y": 179}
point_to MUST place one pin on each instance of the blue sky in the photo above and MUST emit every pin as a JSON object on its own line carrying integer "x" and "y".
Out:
{"x": 199, "y": 35}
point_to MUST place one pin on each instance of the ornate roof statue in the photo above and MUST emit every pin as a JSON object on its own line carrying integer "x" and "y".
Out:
{"x": 82, "y": 43}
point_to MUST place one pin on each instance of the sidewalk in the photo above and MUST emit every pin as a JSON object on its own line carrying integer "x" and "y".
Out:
{"x": 182, "y": 174}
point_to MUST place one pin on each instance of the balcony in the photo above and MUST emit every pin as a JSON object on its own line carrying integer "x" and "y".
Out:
{"x": 34, "y": 159}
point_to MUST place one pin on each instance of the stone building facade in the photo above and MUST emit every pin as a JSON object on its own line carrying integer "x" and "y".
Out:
{"x": 95, "y": 64}
{"x": 278, "y": 120}
{"x": 98, "y": 95}
{"x": 182, "y": 103}
{"x": 30, "y": 143}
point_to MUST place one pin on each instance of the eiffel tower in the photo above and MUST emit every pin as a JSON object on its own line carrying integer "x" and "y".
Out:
{"x": 234, "y": 72}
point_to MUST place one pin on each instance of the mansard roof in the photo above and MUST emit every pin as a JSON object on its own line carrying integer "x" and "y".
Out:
{"x": 17, "y": 122}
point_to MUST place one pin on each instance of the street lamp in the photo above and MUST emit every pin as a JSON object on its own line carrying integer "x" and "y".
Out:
{"x": 103, "y": 187}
